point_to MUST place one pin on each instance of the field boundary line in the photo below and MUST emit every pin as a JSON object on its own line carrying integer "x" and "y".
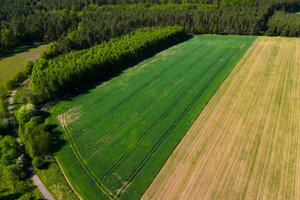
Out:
{"x": 201, "y": 112}
{"x": 173, "y": 126}
{"x": 61, "y": 170}
{"x": 159, "y": 119}
{"x": 98, "y": 183}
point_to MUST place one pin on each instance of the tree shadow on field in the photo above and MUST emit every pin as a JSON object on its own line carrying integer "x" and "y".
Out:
{"x": 57, "y": 135}
{"x": 86, "y": 88}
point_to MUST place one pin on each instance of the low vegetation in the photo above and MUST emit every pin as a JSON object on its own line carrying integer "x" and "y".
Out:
{"x": 54, "y": 180}
{"x": 13, "y": 62}
{"x": 116, "y": 137}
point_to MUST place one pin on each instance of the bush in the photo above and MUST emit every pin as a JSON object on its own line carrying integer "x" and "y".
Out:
{"x": 35, "y": 137}
{"x": 4, "y": 126}
{"x": 26, "y": 196}
{"x": 8, "y": 150}
{"x": 13, "y": 173}
{"x": 38, "y": 162}
{"x": 25, "y": 96}
{"x": 3, "y": 105}
{"x": 19, "y": 77}
{"x": 28, "y": 67}
{"x": 26, "y": 112}
{"x": 10, "y": 84}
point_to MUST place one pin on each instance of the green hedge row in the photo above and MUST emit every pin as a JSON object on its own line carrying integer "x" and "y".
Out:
{"x": 54, "y": 78}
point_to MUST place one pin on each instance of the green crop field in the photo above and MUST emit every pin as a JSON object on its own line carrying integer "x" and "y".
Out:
{"x": 12, "y": 62}
{"x": 116, "y": 137}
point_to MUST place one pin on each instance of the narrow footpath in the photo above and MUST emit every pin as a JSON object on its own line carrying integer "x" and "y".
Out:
{"x": 27, "y": 164}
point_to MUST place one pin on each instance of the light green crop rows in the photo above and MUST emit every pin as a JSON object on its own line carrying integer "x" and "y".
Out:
{"x": 118, "y": 135}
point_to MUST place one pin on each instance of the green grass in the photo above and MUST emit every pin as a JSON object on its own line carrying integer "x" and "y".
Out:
{"x": 118, "y": 135}
{"x": 13, "y": 61}
{"x": 55, "y": 182}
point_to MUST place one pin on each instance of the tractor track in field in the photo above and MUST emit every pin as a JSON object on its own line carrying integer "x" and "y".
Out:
{"x": 76, "y": 153}
{"x": 166, "y": 134}
{"x": 98, "y": 182}
{"x": 197, "y": 86}
{"x": 182, "y": 168}
{"x": 97, "y": 120}
{"x": 103, "y": 142}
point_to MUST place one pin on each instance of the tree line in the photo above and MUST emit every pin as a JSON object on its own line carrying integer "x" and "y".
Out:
{"x": 55, "y": 77}
{"x": 24, "y": 21}
{"x": 284, "y": 24}
{"x": 100, "y": 23}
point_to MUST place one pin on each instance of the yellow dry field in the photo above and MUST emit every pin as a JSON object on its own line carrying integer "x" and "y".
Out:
{"x": 245, "y": 143}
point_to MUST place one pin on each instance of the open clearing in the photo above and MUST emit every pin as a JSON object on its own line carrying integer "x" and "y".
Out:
{"x": 11, "y": 63}
{"x": 245, "y": 143}
{"x": 119, "y": 134}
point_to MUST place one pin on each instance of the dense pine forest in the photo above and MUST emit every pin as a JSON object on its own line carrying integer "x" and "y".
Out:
{"x": 81, "y": 24}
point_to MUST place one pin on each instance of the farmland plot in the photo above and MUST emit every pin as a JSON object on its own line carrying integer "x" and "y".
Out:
{"x": 11, "y": 63}
{"x": 245, "y": 143}
{"x": 118, "y": 135}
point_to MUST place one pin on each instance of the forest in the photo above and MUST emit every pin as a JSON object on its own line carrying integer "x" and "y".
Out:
{"x": 24, "y": 21}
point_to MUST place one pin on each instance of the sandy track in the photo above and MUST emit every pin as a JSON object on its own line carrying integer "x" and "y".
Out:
{"x": 245, "y": 143}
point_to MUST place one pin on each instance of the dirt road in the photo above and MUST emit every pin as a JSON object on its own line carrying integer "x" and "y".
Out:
{"x": 27, "y": 164}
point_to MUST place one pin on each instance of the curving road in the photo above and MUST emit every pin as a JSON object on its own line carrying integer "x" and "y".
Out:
{"x": 27, "y": 164}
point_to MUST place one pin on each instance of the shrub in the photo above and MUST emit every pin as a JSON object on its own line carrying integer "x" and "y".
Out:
{"x": 38, "y": 162}
{"x": 3, "y": 105}
{"x": 10, "y": 84}
{"x": 35, "y": 137}
{"x": 13, "y": 173}
{"x": 28, "y": 67}
{"x": 26, "y": 112}
{"x": 8, "y": 150}
{"x": 4, "y": 126}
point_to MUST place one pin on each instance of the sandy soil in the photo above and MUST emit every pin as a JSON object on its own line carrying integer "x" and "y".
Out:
{"x": 245, "y": 143}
